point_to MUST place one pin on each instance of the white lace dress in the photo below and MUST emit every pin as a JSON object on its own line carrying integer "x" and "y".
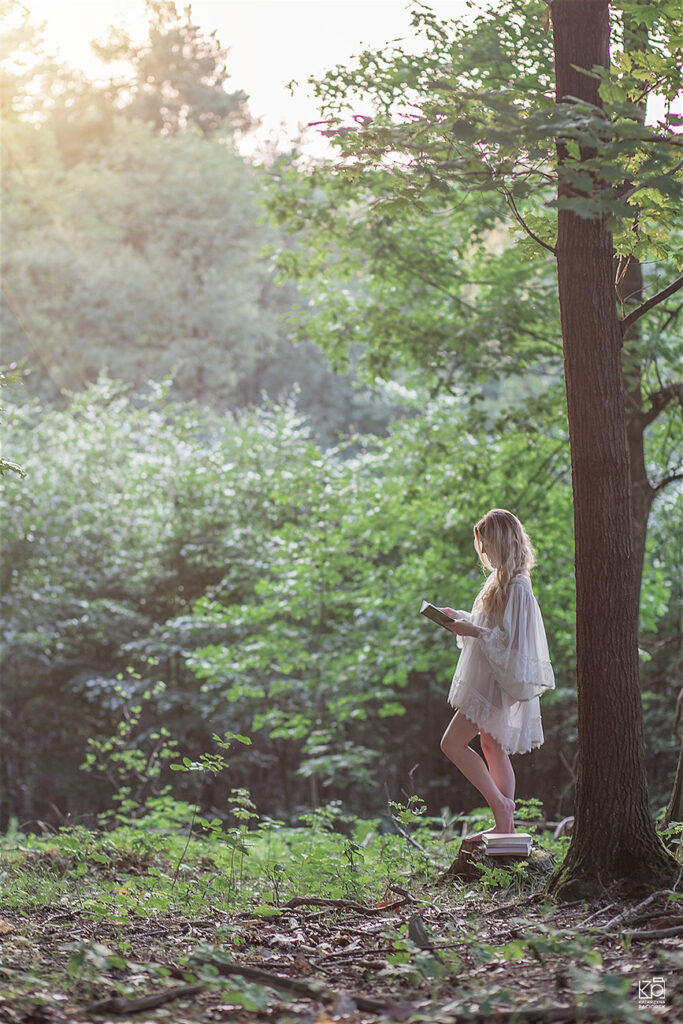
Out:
{"x": 502, "y": 673}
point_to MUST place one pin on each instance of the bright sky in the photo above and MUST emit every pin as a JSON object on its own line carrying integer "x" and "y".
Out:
{"x": 271, "y": 42}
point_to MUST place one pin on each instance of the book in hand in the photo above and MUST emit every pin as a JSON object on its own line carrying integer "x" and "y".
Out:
{"x": 436, "y": 615}
{"x": 513, "y": 843}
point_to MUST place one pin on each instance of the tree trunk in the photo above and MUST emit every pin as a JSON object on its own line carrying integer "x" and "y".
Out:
{"x": 614, "y": 836}
{"x": 630, "y": 293}
{"x": 674, "y": 810}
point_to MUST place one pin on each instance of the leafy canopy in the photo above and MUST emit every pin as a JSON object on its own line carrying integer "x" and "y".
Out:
{"x": 430, "y": 236}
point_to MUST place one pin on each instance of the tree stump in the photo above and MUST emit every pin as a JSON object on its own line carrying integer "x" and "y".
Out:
{"x": 472, "y": 857}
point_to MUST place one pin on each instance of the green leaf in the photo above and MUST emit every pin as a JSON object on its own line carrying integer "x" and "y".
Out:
{"x": 266, "y": 910}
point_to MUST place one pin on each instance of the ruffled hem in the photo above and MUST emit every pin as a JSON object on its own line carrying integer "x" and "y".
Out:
{"x": 474, "y": 706}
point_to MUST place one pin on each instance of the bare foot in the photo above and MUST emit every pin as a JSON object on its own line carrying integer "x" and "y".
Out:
{"x": 505, "y": 816}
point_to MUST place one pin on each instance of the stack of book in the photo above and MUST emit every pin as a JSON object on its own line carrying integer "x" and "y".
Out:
{"x": 511, "y": 844}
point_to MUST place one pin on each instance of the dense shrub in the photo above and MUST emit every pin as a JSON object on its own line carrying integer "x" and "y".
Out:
{"x": 248, "y": 581}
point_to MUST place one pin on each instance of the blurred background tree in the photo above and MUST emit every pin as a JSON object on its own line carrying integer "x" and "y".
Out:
{"x": 178, "y": 78}
{"x": 135, "y": 234}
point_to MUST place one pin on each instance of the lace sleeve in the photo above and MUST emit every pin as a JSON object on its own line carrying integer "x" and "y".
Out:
{"x": 517, "y": 650}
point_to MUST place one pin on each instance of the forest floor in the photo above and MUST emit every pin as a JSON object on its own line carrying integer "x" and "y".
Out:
{"x": 95, "y": 928}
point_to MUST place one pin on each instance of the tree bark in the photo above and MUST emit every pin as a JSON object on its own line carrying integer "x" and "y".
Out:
{"x": 629, "y": 289}
{"x": 614, "y": 837}
{"x": 630, "y": 293}
{"x": 674, "y": 811}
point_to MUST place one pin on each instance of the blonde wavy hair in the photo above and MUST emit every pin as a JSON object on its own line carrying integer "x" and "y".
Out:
{"x": 504, "y": 548}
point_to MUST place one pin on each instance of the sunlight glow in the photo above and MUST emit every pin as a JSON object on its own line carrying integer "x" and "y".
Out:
{"x": 271, "y": 43}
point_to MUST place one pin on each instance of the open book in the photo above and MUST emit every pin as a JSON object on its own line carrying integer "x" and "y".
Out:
{"x": 435, "y": 614}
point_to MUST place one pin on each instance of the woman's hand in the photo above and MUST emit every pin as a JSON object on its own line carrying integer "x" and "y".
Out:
{"x": 460, "y": 625}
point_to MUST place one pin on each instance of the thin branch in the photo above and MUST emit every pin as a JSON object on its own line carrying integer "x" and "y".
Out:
{"x": 511, "y": 203}
{"x": 672, "y": 317}
{"x": 660, "y": 400}
{"x": 653, "y": 301}
{"x": 360, "y": 908}
{"x": 666, "y": 641}
{"x": 646, "y": 184}
{"x": 622, "y": 267}
{"x": 671, "y": 478}
{"x": 651, "y": 86}
{"x": 182, "y": 855}
{"x": 631, "y": 912}
{"x": 534, "y": 169}
{"x": 653, "y": 934}
{"x": 571, "y": 768}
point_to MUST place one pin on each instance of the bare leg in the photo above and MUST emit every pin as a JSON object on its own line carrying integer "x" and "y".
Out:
{"x": 455, "y": 746}
{"x": 500, "y": 768}
{"x": 499, "y": 764}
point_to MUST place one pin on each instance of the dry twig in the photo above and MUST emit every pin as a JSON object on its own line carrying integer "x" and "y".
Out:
{"x": 631, "y": 912}
{"x": 122, "y": 1007}
{"x": 360, "y": 908}
{"x": 277, "y": 981}
{"x": 656, "y": 933}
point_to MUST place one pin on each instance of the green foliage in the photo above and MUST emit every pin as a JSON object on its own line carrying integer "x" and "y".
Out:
{"x": 427, "y": 239}
{"x": 529, "y": 811}
{"x": 483, "y": 119}
{"x": 6, "y": 465}
{"x": 434, "y": 286}
{"x": 95, "y": 955}
{"x": 170, "y": 576}
{"x": 141, "y": 280}
{"x": 329, "y": 652}
{"x": 169, "y": 858}
{"x": 134, "y": 769}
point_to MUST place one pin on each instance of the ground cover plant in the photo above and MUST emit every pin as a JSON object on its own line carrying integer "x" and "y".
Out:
{"x": 176, "y": 917}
